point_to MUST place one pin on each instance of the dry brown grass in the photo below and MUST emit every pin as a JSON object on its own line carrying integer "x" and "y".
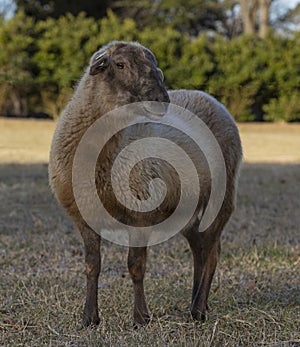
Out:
{"x": 25, "y": 141}
{"x": 255, "y": 298}
{"x": 271, "y": 143}
{"x": 28, "y": 141}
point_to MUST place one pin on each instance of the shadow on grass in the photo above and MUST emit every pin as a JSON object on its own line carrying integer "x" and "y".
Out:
{"x": 26, "y": 201}
{"x": 259, "y": 244}
{"x": 267, "y": 211}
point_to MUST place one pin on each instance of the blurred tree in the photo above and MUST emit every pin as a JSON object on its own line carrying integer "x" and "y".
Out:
{"x": 289, "y": 21}
{"x": 115, "y": 28}
{"x": 264, "y": 17}
{"x": 244, "y": 78}
{"x": 7, "y": 8}
{"x": 231, "y": 82}
{"x": 64, "y": 49}
{"x": 195, "y": 67}
{"x": 231, "y": 25}
{"x": 284, "y": 65}
{"x": 41, "y": 9}
{"x": 169, "y": 47}
{"x": 256, "y": 16}
{"x": 17, "y": 70}
{"x": 293, "y": 15}
{"x": 186, "y": 16}
{"x": 285, "y": 108}
{"x": 256, "y": 78}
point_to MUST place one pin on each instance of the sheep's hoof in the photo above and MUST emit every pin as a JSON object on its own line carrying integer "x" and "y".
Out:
{"x": 198, "y": 316}
{"x": 90, "y": 321}
{"x": 141, "y": 321}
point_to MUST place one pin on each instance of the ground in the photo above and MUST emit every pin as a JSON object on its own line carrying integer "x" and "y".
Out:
{"x": 255, "y": 296}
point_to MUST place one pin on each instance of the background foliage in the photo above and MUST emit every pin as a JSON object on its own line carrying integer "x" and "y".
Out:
{"x": 44, "y": 52}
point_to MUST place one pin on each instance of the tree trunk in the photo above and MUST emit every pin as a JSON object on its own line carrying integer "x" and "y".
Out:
{"x": 19, "y": 105}
{"x": 255, "y": 16}
{"x": 249, "y": 15}
{"x": 16, "y": 105}
{"x": 264, "y": 17}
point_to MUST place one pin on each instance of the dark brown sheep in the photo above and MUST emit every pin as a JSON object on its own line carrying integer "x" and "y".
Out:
{"x": 119, "y": 74}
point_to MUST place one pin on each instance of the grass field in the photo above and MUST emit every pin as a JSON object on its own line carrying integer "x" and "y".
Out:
{"x": 255, "y": 296}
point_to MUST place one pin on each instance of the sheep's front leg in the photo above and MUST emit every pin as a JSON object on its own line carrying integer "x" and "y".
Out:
{"x": 137, "y": 267}
{"x": 92, "y": 267}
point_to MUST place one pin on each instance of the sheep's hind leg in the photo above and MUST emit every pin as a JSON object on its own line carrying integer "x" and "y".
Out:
{"x": 137, "y": 267}
{"x": 205, "y": 251}
{"x": 92, "y": 267}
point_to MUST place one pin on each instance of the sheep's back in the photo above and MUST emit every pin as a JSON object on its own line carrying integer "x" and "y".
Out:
{"x": 218, "y": 120}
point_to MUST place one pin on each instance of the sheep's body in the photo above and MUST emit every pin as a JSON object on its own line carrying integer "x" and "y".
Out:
{"x": 69, "y": 132}
{"x": 82, "y": 111}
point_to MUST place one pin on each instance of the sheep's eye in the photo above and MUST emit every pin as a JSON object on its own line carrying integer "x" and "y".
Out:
{"x": 120, "y": 66}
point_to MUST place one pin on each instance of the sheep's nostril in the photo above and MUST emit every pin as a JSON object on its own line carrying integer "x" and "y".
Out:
{"x": 163, "y": 98}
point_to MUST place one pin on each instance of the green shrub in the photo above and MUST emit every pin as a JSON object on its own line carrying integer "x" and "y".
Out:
{"x": 64, "y": 48}
{"x": 17, "y": 79}
{"x": 41, "y": 62}
{"x": 285, "y": 108}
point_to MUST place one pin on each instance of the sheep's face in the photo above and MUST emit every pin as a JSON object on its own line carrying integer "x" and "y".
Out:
{"x": 129, "y": 72}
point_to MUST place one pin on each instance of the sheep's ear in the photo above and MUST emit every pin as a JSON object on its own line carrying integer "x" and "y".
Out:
{"x": 99, "y": 62}
{"x": 161, "y": 74}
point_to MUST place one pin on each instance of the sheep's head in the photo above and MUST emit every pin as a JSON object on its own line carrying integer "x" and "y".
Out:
{"x": 129, "y": 72}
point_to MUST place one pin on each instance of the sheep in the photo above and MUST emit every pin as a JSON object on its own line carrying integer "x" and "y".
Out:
{"x": 119, "y": 74}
